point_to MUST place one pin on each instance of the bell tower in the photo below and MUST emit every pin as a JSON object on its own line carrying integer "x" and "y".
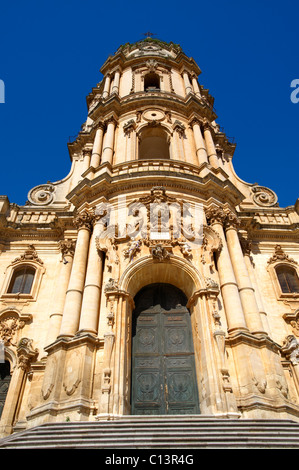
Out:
{"x": 164, "y": 269}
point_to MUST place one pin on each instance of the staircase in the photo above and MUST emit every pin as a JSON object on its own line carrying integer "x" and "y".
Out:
{"x": 159, "y": 432}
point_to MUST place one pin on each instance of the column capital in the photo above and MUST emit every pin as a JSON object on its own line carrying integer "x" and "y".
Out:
{"x": 207, "y": 126}
{"x": 232, "y": 221}
{"x": 185, "y": 71}
{"x": 111, "y": 120}
{"x": 84, "y": 220}
{"x": 195, "y": 120}
{"x": 215, "y": 215}
{"x": 100, "y": 125}
{"x": 117, "y": 69}
{"x": 87, "y": 151}
{"x": 129, "y": 126}
{"x": 179, "y": 127}
{"x": 67, "y": 247}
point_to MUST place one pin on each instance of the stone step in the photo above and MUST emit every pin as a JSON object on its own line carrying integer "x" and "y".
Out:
{"x": 158, "y": 432}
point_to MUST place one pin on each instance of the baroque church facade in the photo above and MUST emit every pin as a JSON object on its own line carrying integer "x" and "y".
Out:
{"x": 151, "y": 280}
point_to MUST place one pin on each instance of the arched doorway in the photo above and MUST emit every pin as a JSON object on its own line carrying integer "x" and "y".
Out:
{"x": 163, "y": 366}
{"x": 4, "y": 383}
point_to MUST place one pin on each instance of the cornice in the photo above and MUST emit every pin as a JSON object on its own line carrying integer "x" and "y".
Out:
{"x": 120, "y": 59}
{"x": 205, "y": 188}
{"x": 170, "y": 100}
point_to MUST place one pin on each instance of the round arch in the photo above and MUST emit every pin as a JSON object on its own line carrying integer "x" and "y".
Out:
{"x": 154, "y": 143}
{"x": 175, "y": 271}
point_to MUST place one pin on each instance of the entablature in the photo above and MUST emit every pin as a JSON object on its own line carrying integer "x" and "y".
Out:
{"x": 142, "y": 175}
{"x": 271, "y": 224}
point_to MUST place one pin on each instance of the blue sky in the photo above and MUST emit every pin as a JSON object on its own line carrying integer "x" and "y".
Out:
{"x": 51, "y": 53}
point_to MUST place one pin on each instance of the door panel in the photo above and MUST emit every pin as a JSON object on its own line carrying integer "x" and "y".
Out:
{"x": 4, "y": 383}
{"x": 181, "y": 385}
{"x": 147, "y": 365}
{"x": 163, "y": 366}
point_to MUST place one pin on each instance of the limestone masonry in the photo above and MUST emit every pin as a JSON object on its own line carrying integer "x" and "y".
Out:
{"x": 151, "y": 279}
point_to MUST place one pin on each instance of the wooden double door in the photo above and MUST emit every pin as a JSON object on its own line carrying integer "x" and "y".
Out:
{"x": 163, "y": 366}
{"x": 5, "y": 378}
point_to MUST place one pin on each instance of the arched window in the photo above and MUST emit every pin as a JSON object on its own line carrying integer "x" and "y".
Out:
{"x": 151, "y": 82}
{"x": 288, "y": 279}
{"x": 153, "y": 144}
{"x": 22, "y": 280}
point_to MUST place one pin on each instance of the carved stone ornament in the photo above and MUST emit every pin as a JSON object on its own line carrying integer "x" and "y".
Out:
{"x": 263, "y": 196}
{"x": 67, "y": 247}
{"x": 211, "y": 284}
{"x": 280, "y": 255}
{"x": 26, "y": 354}
{"x": 29, "y": 255}
{"x": 41, "y": 195}
{"x": 129, "y": 127}
{"x": 8, "y": 328}
{"x": 157, "y": 196}
{"x": 111, "y": 285}
{"x": 49, "y": 377}
{"x": 186, "y": 249}
{"x": 108, "y": 347}
{"x": 160, "y": 253}
{"x": 132, "y": 249}
{"x": 84, "y": 220}
{"x": 149, "y": 46}
{"x": 293, "y": 320}
{"x": 73, "y": 368}
{"x": 179, "y": 127}
{"x": 215, "y": 215}
{"x": 290, "y": 349}
{"x": 152, "y": 65}
{"x": 246, "y": 246}
{"x": 231, "y": 220}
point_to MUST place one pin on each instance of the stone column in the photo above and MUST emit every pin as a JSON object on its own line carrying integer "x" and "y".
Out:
{"x": 201, "y": 152}
{"x": 93, "y": 287}
{"x": 188, "y": 87}
{"x": 72, "y": 307}
{"x": 97, "y": 146}
{"x": 67, "y": 248}
{"x": 211, "y": 150}
{"x": 229, "y": 288}
{"x": 195, "y": 85}
{"x": 109, "y": 141}
{"x": 246, "y": 247}
{"x": 86, "y": 159}
{"x": 247, "y": 295}
{"x": 106, "y": 91}
{"x": 115, "y": 86}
